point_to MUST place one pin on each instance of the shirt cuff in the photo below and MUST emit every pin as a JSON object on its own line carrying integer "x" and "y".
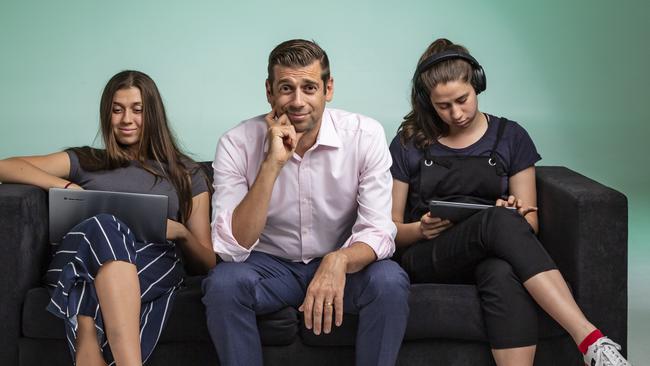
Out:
{"x": 223, "y": 241}
{"x": 381, "y": 242}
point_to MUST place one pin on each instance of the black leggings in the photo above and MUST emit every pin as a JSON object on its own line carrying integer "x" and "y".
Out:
{"x": 497, "y": 250}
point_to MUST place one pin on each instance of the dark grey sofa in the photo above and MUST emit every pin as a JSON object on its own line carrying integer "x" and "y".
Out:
{"x": 583, "y": 224}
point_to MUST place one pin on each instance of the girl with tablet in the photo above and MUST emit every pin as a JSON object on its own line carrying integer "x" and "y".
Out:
{"x": 113, "y": 292}
{"x": 448, "y": 150}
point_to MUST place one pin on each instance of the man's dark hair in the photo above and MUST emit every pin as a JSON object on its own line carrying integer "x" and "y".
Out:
{"x": 299, "y": 53}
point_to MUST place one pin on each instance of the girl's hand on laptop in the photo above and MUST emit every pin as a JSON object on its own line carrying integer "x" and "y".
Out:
{"x": 176, "y": 230}
{"x": 75, "y": 186}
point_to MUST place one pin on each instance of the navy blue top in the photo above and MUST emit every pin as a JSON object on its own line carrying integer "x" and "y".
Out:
{"x": 516, "y": 150}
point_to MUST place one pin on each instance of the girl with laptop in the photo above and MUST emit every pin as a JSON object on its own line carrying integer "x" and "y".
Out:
{"x": 446, "y": 149}
{"x": 114, "y": 292}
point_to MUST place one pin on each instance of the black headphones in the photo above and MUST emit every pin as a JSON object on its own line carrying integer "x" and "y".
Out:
{"x": 478, "y": 80}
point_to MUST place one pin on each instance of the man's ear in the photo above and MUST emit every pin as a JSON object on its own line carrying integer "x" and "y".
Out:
{"x": 329, "y": 89}
{"x": 269, "y": 90}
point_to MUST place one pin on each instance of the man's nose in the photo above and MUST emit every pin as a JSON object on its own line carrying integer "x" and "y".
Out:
{"x": 298, "y": 99}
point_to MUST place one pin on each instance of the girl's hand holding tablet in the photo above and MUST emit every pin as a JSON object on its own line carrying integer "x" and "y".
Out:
{"x": 518, "y": 204}
{"x": 430, "y": 226}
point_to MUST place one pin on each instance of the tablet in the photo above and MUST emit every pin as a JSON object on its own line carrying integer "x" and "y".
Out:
{"x": 456, "y": 211}
{"x": 144, "y": 214}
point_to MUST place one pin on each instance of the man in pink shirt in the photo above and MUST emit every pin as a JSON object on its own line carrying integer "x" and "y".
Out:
{"x": 301, "y": 217}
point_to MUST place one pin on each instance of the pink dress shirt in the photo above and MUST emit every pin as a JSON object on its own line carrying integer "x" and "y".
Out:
{"x": 337, "y": 194}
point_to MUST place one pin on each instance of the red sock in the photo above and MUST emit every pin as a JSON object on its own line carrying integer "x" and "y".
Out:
{"x": 589, "y": 340}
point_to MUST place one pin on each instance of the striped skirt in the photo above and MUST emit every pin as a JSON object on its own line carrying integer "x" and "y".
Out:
{"x": 76, "y": 260}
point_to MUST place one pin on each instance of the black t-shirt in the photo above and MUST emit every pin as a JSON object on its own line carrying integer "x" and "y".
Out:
{"x": 132, "y": 178}
{"x": 515, "y": 149}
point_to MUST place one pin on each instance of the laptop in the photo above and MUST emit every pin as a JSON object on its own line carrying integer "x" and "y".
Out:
{"x": 144, "y": 214}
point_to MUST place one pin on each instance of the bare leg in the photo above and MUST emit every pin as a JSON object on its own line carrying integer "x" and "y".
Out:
{"x": 88, "y": 351}
{"x": 520, "y": 356}
{"x": 551, "y": 293}
{"x": 118, "y": 290}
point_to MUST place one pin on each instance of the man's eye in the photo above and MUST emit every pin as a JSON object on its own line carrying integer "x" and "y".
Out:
{"x": 310, "y": 89}
{"x": 285, "y": 88}
{"x": 461, "y": 101}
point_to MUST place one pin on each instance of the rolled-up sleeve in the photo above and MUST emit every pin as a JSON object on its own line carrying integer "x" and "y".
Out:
{"x": 374, "y": 225}
{"x": 230, "y": 188}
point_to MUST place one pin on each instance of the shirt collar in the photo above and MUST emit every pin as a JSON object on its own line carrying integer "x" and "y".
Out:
{"x": 328, "y": 135}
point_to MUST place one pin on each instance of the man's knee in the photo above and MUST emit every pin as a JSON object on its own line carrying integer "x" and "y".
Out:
{"x": 386, "y": 280}
{"x": 228, "y": 282}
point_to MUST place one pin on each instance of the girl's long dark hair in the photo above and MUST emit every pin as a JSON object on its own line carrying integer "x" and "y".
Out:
{"x": 157, "y": 142}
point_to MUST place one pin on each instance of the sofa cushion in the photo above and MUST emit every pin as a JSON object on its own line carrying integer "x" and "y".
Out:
{"x": 186, "y": 323}
{"x": 436, "y": 311}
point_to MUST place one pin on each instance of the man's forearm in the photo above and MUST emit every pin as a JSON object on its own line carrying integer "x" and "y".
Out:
{"x": 249, "y": 217}
{"x": 357, "y": 256}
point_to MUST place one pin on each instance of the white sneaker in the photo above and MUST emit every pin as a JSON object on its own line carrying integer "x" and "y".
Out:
{"x": 604, "y": 352}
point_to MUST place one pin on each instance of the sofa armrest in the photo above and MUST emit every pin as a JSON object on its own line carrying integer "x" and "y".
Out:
{"x": 583, "y": 225}
{"x": 24, "y": 253}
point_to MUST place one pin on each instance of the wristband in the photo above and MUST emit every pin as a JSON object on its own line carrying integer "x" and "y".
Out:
{"x": 67, "y": 185}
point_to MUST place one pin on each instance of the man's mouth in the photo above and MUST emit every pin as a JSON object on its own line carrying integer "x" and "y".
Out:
{"x": 298, "y": 117}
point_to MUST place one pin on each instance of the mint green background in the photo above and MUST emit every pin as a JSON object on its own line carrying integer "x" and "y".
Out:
{"x": 574, "y": 73}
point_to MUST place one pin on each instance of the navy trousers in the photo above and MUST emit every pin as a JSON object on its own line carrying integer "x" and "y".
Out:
{"x": 234, "y": 293}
